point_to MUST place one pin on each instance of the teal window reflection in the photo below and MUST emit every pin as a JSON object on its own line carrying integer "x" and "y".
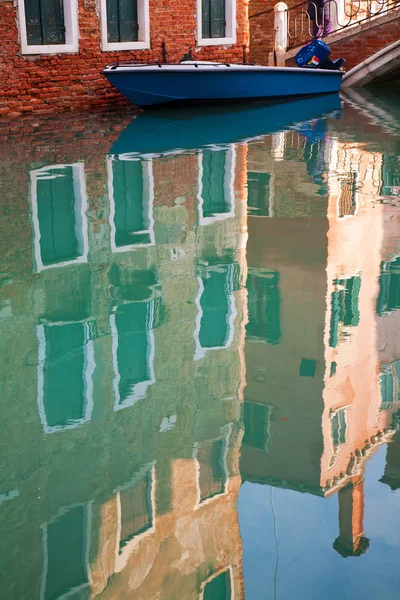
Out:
{"x": 264, "y": 306}
{"x": 135, "y": 509}
{"x": 219, "y": 587}
{"x": 131, "y": 193}
{"x": 256, "y": 425}
{"x": 59, "y": 205}
{"x": 390, "y": 175}
{"x": 133, "y": 349}
{"x": 212, "y": 468}
{"x": 344, "y": 306}
{"x": 216, "y": 184}
{"x": 66, "y": 549}
{"x": 339, "y": 427}
{"x": 65, "y": 372}
{"x": 258, "y": 185}
{"x": 216, "y": 305}
{"x": 389, "y": 384}
{"x": 389, "y": 287}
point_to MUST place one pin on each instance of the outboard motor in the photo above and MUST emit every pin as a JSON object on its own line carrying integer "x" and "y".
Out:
{"x": 315, "y": 55}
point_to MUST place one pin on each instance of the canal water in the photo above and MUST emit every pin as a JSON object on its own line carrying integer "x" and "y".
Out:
{"x": 200, "y": 353}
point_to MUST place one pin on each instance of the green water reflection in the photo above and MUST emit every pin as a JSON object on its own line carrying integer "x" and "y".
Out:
{"x": 199, "y": 371}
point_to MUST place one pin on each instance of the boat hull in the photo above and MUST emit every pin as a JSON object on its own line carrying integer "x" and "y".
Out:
{"x": 184, "y": 84}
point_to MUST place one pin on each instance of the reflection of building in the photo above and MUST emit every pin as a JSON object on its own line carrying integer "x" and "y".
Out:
{"x": 322, "y": 375}
{"x": 121, "y": 469}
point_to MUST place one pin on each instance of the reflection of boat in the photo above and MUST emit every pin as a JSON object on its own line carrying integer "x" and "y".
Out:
{"x": 177, "y": 130}
{"x": 199, "y": 82}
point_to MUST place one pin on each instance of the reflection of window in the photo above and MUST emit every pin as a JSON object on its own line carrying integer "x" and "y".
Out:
{"x": 59, "y": 203}
{"x": 133, "y": 349}
{"x": 218, "y": 587}
{"x": 389, "y": 287}
{"x": 389, "y": 383}
{"x": 66, "y": 551}
{"x": 264, "y": 305}
{"x": 125, "y": 24}
{"x": 65, "y": 372}
{"x": 135, "y": 509}
{"x": 48, "y": 26}
{"x": 216, "y": 170}
{"x": 212, "y": 468}
{"x": 307, "y": 367}
{"x": 256, "y": 425}
{"x": 216, "y": 308}
{"x": 258, "y": 194}
{"x": 390, "y": 175}
{"x": 216, "y": 22}
{"x": 131, "y": 194}
{"x": 339, "y": 427}
{"x": 347, "y": 198}
{"x": 344, "y": 306}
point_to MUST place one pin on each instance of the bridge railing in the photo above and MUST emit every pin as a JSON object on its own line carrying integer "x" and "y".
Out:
{"x": 312, "y": 19}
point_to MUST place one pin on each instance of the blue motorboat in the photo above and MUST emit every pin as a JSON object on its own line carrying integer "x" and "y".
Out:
{"x": 192, "y": 82}
{"x": 154, "y": 133}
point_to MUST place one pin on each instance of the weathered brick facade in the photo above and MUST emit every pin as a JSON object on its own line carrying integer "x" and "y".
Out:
{"x": 48, "y": 83}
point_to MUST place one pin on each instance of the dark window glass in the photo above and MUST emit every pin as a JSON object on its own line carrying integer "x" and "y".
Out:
{"x": 256, "y": 425}
{"x": 213, "y": 18}
{"x": 264, "y": 305}
{"x": 258, "y": 194}
{"x": 122, "y": 21}
{"x": 45, "y": 22}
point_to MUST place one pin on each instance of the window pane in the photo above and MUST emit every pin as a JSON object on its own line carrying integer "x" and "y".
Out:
{"x": 335, "y": 429}
{"x": 258, "y": 193}
{"x": 215, "y": 307}
{"x": 212, "y": 473}
{"x": 256, "y": 418}
{"x": 136, "y": 515}
{"x": 218, "y": 588}
{"x": 56, "y": 215}
{"x": 213, "y": 183}
{"x": 130, "y": 218}
{"x": 66, "y": 547}
{"x": 342, "y": 427}
{"x": 64, "y": 394}
{"x": 132, "y": 353}
{"x": 264, "y": 305}
{"x": 122, "y": 21}
{"x": 45, "y": 22}
{"x": 217, "y": 18}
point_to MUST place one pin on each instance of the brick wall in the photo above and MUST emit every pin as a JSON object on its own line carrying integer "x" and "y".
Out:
{"x": 48, "y": 83}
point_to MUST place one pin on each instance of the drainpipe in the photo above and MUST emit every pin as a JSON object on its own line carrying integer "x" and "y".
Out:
{"x": 277, "y": 57}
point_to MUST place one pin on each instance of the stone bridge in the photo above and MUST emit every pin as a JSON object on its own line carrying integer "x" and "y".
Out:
{"x": 370, "y": 44}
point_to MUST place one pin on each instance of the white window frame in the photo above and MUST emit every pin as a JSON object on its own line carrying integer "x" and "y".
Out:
{"x": 200, "y": 352}
{"x": 229, "y": 185}
{"x": 71, "y": 31}
{"x": 88, "y": 370}
{"x": 143, "y": 42}
{"x": 71, "y": 593}
{"x": 81, "y": 204}
{"x": 140, "y": 389}
{"x": 226, "y": 439}
{"x": 148, "y": 199}
{"x": 230, "y": 27}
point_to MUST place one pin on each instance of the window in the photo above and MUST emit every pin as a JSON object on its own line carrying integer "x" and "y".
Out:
{"x": 347, "y": 202}
{"x": 216, "y": 308}
{"x": 133, "y": 349}
{"x": 66, "y": 554}
{"x": 389, "y": 383}
{"x": 131, "y": 194}
{"x": 218, "y": 587}
{"x": 215, "y": 186}
{"x": 256, "y": 425}
{"x": 339, "y": 427}
{"x": 212, "y": 468}
{"x": 344, "y": 306}
{"x": 389, "y": 287}
{"x": 48, "y": 26}
{"x": 264, "y": 306}
{"x": 307, "y": 367}
{"x": 65, "y": 373}
{"x": 125, "y": 24}
{"x": 216, "y": 22}
{"x": 59, "y": 204}
{"x": 136, "y": 514}
{"x": 258, "y": 202}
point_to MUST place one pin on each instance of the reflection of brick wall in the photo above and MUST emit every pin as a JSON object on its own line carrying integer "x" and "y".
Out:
{"x": 45, "y": 83}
